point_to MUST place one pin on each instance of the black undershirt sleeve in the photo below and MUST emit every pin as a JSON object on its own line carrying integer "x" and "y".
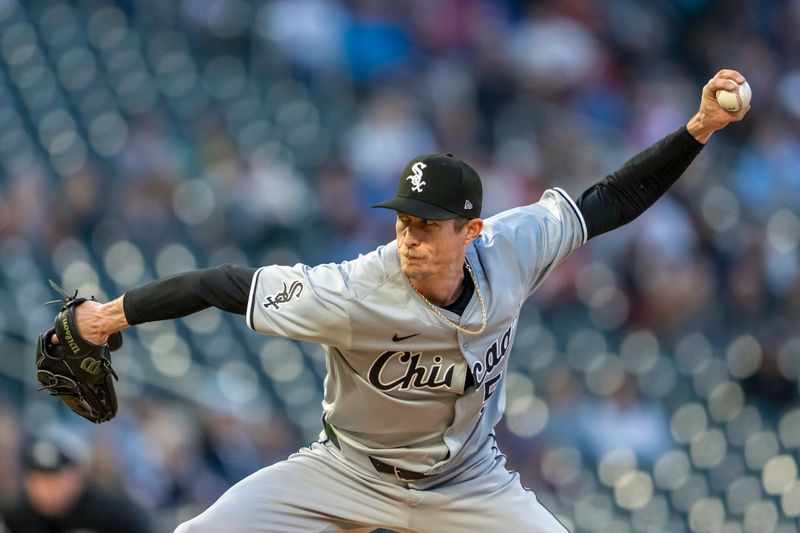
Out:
{"x": 225, "y": 287}
{"x": 628, "y": 192}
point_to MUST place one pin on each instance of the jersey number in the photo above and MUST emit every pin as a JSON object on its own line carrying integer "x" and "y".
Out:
{"x": 489, "y": 386}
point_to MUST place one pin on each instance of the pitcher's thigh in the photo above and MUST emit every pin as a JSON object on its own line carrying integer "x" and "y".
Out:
{"x": 309, "y": 492}
{"x": 487, "y": 506}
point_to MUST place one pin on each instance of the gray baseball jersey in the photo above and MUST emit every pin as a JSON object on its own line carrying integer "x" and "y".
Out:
{"x": 395, "y": 388}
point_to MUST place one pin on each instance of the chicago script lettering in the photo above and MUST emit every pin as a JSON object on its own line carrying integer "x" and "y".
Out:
{"x": 492, "y": 359}
{"x": 416, "y": 375}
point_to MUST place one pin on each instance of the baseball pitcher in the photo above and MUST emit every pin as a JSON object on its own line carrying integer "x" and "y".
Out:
{"x": 417, "y": 336}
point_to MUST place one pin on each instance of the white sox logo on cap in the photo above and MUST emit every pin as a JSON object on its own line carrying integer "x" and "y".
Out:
{"x": 416, "y": 178}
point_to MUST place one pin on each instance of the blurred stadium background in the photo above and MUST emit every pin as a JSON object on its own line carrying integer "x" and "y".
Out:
{"x": 654, "y": 382}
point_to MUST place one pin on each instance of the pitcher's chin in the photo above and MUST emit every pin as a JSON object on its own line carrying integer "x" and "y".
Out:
{"x": 414, "y": 269}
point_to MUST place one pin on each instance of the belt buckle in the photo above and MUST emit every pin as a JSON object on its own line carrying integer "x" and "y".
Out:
{"x": 398, "y": 476}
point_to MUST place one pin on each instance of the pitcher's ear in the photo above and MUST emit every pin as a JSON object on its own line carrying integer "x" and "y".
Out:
{"x": 474, "y": 228}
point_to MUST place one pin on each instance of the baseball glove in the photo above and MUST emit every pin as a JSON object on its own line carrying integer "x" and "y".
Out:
{"x": 76, "y": 370}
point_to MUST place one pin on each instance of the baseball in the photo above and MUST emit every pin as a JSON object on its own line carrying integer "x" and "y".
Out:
{"x": 736, "y": 100}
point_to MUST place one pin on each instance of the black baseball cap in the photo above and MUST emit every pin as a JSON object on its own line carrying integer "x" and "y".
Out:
{"x": 438, "y": 187}
{"x": 48, "y": 456}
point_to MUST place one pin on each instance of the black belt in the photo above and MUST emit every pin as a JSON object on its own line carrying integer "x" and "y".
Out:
{"x": 400, "y": 473}
{"x": 384, "y": 468}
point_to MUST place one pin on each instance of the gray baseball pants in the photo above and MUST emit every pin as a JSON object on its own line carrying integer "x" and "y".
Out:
{"x": 318, "y": 490}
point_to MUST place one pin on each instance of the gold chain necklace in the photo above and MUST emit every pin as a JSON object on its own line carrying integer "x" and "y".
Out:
{"x": 450, "y": 322}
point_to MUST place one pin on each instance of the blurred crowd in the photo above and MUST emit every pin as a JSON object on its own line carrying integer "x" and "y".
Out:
{"x": 655, "y": 374}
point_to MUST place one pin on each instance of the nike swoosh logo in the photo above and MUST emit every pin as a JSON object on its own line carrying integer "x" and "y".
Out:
{"x": 397, "y": 338}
